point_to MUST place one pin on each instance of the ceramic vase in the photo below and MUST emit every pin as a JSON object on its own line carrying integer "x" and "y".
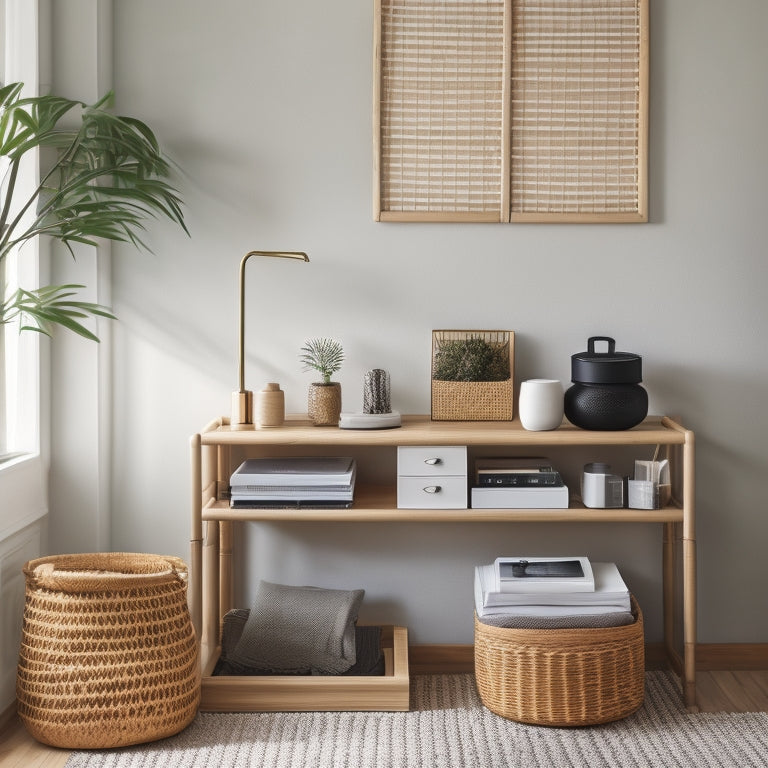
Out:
{"x": 541, "y": 404}
{"x": 270, "y": 406}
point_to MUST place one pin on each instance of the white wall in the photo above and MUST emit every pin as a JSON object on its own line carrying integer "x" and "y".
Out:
{"x": 266, "y": 106}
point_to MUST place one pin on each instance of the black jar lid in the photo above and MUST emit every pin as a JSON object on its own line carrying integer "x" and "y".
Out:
{"x": 609, "y": 367}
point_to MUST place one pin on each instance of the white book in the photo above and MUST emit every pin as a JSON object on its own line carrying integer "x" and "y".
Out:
{"x": 544, "y": 574}
{"x": 610, "y": 595}
{"x": 514, "y": 497}
{"x": 295, "y": 471}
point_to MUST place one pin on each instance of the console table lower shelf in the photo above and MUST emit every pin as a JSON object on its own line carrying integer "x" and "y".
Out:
{"x": 280, "y": 693}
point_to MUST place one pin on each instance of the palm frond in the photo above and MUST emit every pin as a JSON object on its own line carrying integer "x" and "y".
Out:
{"x": 108, "y": 178}
{"x": 50, "y": 305}
{"x": 323, "y": 355}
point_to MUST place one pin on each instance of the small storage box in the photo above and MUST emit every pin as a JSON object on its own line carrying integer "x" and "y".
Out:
{"x": 561, "y": 677}
{"x": 432, "y": 477}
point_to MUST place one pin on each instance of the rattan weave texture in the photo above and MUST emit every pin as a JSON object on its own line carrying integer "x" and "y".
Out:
{"x": 494, "y": 110}
{"x": 474, "y": 400}
{"x": 561, "y": 677}
{"x": 108, "y": 654}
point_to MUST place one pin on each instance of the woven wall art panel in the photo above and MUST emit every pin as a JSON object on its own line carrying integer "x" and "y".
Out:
{"x": 441, "y": 106}
{"x": 521, "y": 110}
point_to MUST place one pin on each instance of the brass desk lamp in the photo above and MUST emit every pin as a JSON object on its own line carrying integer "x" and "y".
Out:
{"x": 242, "y": 399}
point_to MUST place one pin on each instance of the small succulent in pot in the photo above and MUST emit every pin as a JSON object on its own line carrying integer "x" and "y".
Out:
{"x": 324, "y": 402}
{"x": 323, "y": 355}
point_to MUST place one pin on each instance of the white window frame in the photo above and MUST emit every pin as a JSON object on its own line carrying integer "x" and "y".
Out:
{"x": 23, "y": 467}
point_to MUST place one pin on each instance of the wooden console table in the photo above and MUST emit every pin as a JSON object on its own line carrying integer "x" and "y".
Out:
{"x": 217, "y": 450}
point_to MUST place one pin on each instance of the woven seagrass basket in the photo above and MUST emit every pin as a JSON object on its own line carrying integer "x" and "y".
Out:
{"x": 108, "y": 653}
{"x": 474, "y": 400}
{"x": 561, "y": 677}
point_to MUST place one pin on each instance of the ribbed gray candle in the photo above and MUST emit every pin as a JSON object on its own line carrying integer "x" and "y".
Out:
{"x": 376, "y": 392}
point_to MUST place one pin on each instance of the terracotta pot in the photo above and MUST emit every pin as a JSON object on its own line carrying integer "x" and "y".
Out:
{"x": 324, "y": 404}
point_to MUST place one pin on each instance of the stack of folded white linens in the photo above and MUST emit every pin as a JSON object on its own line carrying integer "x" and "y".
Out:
{"x": 607, "y": 605}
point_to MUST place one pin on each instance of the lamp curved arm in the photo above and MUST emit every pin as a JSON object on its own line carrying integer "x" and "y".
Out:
{"x": 300, "y": 255}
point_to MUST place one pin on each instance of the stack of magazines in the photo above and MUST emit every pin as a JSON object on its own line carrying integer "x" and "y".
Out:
{"x": 316, "y": 481}
{"x": 549, "y": 587}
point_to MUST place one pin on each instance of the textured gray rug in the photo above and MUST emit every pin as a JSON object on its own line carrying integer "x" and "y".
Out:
{"x": 448, "y": 727}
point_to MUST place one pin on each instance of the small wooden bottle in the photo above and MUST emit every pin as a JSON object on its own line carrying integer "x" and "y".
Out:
{"x": 270, "y": 406}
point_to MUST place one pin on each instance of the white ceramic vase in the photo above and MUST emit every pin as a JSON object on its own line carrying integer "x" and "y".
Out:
{"x": 541, "y": 404}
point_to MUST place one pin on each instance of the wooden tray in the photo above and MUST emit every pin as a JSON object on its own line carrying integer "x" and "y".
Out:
{"x": 280, "y": 693}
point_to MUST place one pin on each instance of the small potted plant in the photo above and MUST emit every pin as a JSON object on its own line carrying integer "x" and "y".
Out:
{"x": 472, "y": 375}
{"x": 324, "y": 402}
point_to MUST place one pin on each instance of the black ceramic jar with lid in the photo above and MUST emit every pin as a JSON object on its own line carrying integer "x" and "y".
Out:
{"x": 606, "y": 392}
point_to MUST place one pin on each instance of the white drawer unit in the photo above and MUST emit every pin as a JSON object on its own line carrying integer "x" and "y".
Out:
{"x": 432, "y": 477}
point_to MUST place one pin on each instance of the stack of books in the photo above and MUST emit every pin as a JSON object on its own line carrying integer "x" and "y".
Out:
{"x": 555, "y": 586}
{"x": 323, "y": 482}
{"x": 518, "y": 483}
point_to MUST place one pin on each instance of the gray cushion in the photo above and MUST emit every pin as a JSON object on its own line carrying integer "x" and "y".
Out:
{"x": 369, "y": 660}
{"x": 298, "y": 629}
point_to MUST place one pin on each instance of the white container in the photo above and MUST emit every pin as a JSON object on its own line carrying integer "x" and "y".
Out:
{"x": 432, "y": 477}
{"x": 447, "y": 492}
{"x": 600, "y": 488}
{"x": 432, "y": 460}
{"x": 541, "y": 404}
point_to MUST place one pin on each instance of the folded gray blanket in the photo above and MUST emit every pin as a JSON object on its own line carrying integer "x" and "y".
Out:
{"x": 594, "y": 621}
{"x": 294, "y": 629}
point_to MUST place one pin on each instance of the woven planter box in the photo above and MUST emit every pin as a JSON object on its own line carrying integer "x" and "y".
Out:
{"x": 108, "y": 653}
{"x": 473, "y": 400}
{"x": 561, "y": 677}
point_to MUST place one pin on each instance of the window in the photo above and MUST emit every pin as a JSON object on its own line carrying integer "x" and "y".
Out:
{"x": 22, "y": 474}
{"x": 511, "y": 110}
{"x": 21, "y": 357}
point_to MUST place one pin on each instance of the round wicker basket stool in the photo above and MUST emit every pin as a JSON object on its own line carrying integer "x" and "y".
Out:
{"x": 561, "y": 677}
{"x": 108, "y": 653}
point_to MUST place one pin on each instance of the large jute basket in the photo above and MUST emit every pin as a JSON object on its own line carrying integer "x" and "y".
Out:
{"x": 108, "y": 653}
{"x": 561, "y": 677}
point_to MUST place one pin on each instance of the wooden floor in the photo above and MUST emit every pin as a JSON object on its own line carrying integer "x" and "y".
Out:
{"x": 717, "y": 692}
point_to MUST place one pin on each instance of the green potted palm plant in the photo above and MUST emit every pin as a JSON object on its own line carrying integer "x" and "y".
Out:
{"x": 324, "y": 402}
{"x": 106, "y": 177}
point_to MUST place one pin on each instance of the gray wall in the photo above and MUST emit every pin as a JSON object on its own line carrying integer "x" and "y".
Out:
{"x": 266, "y": 108}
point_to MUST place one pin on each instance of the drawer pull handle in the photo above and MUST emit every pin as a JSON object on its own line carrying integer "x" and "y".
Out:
{"x": 433, "y": 462}
{"x": 432, "y": 489}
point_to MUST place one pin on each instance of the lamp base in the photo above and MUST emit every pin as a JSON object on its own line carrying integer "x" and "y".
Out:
{"x": 242, "y": 411}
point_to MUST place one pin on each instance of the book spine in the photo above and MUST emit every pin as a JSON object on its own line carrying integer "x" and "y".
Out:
{"x": 519, "y": 479}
